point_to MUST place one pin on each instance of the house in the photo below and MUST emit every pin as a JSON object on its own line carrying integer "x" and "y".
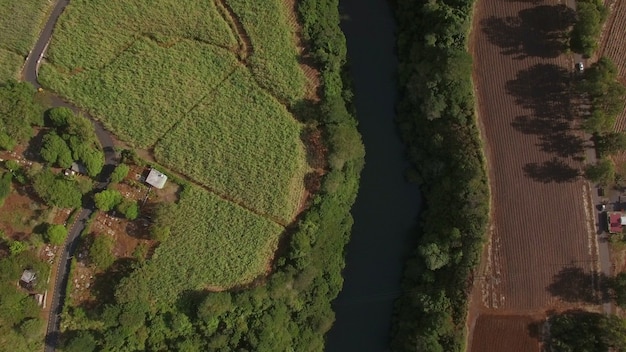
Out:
{"x": 156, "y": 179}
{"x": 28, "y": 276}
{"x": 78, "y": 168}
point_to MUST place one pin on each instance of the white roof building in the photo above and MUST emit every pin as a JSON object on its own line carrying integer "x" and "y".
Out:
{"x": 156, "y": 179}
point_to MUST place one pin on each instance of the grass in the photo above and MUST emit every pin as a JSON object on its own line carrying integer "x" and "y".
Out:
{"x": 91, "y": 34}
{"x": 19, "y": 25}
{"x": 251, "y": 150}
{"x": 214, "y": 243}
{"x": 274, "y": 61}
{"x": 147, "y": 88}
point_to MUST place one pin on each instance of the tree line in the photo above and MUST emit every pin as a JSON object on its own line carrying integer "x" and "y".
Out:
{"x": 437, "y": 121}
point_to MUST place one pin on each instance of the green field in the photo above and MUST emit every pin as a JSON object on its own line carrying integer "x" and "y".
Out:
{"x": 19, "y": 25}
{"x": 214, "y": 243}
{"x": 274, "y": 59}
{"x": 249, "y": 151}
{"x": 147, "y": 88}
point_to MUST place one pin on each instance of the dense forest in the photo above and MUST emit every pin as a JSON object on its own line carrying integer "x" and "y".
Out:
{"x": 437, "y": 121}
{"x": 290, "y": 310}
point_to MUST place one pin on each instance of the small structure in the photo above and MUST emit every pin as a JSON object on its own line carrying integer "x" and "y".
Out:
{"x": 156, "y": 179}
{"x": 615, "y": 221}
{"x": 28, "y": 277}
{"x": 78, "y": 168}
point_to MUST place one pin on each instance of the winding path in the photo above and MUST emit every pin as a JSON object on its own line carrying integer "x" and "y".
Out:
{"x": 29, "y": 74}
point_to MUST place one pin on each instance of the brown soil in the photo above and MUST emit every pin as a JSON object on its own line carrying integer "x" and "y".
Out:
{"x": 541, "y": 253}
{"x": 497, "y": 333}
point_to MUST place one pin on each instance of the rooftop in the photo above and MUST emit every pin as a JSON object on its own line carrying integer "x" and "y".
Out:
{"x": 28, "y": 276}
{"x": 156, "y": 179}
{"x": 615, "y": 222}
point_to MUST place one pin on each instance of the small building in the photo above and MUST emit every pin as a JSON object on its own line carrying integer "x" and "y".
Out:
{"x": 156, "y": 179}
{"x": 28, "y": 276}
{"x": 78, "y": 168}
{"x": 615, "y": 221}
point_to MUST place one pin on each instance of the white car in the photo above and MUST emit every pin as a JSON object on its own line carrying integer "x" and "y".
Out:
{"x": 580, "y": 67}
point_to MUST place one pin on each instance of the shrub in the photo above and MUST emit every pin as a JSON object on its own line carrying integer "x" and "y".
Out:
{"x": 56, "y": 234}
{"x": 17, "y": 247}
{"x": 5, "y": 186}
{"x": 120, "y": 172}
{"x": 101, "y": 251}
{"x": 107, "y": 199}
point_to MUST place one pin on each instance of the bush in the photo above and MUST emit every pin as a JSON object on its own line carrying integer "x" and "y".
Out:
{"x": 120, "y": 172}
{"x": 107, "y": 199}
{"x": 17, "y": 247}
{"x": 101, "y": 251}
{"x": 57, "y": 190}
{"x": 6, "y": 181}
{"x": 129, "y": 208}
{"x": 56, "y": 234}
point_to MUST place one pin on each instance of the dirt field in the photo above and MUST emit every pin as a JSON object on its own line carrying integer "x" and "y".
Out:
{"x": 542, "y": 251}
{"x": 497, "y": 333}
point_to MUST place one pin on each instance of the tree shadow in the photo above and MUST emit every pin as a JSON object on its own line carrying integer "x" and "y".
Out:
{"x": 573, "y": 284}
{"x": 543, "y": 88}
{"x": 105, "y": 283}
{"x": 540, "y": 31}
{"x": 555, "y": 170}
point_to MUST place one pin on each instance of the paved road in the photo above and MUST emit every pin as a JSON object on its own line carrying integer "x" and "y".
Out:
{"x": 29, "y": 74}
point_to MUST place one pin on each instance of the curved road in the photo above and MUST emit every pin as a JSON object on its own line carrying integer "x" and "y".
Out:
{"x": 29, "y": 74}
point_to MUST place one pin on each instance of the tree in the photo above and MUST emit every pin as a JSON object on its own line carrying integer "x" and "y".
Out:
{"x": 611, "y": 143}
{"x": 603, "y": 172}
{"x": 129, "y": 208}
{"x": 618, "y": 284}
{"x": 57, "y": 191}
{"x": 5, "y": 186}
{"x": 60, "y": 117}
{"x": 82, "y": 342}
{"x": 56, "y": 234}
{"x": 54, "y": 150}
{"x": 107, "y": 199}
{"x": 120, "y": 172}
{"x": 17, "y": 247}
{"x": 101, "y": 251}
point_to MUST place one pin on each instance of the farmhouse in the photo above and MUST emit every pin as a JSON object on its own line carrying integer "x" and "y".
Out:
{"x": 156, "y": 179}
{"x": 615, "y": 221}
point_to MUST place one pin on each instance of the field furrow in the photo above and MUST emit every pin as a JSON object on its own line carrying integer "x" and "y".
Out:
{"x": 540, "y": 243}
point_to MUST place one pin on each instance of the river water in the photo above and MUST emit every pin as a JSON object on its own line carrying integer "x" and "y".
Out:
{"x": 386, "y": 210}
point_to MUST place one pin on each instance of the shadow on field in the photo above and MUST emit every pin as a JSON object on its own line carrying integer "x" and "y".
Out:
{"x": 544, "y": 89}
{"x": 540, "y": 31}
{"x": 555, "y": 170}
{"x": 573, "y": 284}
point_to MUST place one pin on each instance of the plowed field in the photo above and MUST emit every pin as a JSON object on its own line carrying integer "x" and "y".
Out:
{"x": 498, "y": 333}
{"x": 613, "y": 46}
{"x": 541, "y": 241}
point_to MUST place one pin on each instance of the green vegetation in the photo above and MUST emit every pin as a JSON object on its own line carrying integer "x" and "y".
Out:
{"x": 133, "y": 95}
{"x": 101, "y": 251}
{"x": 603, "y": 172}
{"x": 56, "y": 234}
{"x": 129, "y": 208}
{"x": 436, "y": 118}
{"x": 585, "y": 35}
{"x": 107, "y": 199}
{"x": 6, "y": 181}
{"x": 73, "y": 139}
{"x": 19, "y": 26}
{"x": 18, "y": 112}
{"x": 120, "y": 172}
{"x": 256, "y": 158}
{"x": 57, "y": 190}
{"x": 606, "y": 95}
{"x": 206, "y": 255}
{"x": 579, "y": 331}
{"x": 274, "y": 61}
{"x": 164, "y": 304}
{"x": 21, "y": 326}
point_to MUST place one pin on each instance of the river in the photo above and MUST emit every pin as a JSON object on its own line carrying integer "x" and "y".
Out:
{"x": 387, "y": 207}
